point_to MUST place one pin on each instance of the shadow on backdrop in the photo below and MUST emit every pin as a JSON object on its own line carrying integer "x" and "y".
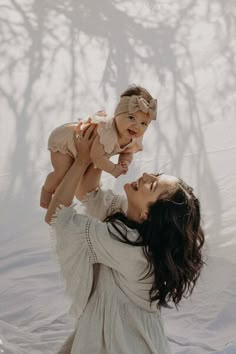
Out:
{"x": 36, "y": 35}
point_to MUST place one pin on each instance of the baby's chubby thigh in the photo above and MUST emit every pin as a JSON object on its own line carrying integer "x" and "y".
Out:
{"x": 62, "y": 139}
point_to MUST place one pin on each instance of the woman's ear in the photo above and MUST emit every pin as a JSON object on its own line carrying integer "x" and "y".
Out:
{"x": 144, "y": 215}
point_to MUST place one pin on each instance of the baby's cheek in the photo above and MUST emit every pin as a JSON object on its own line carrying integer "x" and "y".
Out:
{"x": 144, "y": 130}
{"x": 139, "y": 135}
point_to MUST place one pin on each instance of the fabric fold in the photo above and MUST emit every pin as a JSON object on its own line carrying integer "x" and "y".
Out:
{"x": 74, "y": 258}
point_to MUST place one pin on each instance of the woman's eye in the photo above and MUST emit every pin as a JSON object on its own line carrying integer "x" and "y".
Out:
{"x": 131, "y": 117}
{"x": 144, "y": 123}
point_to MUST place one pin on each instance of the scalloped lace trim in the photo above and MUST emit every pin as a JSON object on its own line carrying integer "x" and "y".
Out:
{"x": 107, "y": 136}
{"x": 92, "y": 252}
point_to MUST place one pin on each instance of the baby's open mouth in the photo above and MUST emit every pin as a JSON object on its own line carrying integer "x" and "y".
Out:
{"x": 131, "y": 132}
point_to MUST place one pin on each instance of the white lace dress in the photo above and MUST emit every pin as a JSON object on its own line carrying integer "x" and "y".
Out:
{"x": 102, "y": 276}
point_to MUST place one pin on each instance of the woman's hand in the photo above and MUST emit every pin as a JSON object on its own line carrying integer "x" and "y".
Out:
{"x": 84, "y": 140}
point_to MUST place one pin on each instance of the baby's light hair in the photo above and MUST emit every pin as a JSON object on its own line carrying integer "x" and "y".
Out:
{"x": 137, "y": 91}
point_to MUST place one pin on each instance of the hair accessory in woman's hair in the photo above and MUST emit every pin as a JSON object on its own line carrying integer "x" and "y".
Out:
{"x": 132, "y": 104}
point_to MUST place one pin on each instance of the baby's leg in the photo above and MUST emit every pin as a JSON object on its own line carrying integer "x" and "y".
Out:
{"x": 61, "y": 164}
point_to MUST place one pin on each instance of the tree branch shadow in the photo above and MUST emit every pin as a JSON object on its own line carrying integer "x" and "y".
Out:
{"x": 55, "y": 41}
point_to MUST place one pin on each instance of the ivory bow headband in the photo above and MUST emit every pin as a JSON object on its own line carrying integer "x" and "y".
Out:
{"x": 132, "y": 104}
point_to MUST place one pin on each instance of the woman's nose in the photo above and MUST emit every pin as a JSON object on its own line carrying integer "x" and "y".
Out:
{"x": 146, "y": 176}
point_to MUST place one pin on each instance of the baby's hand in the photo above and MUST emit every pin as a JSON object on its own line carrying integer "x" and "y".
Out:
{"x": 125, "y": 165}
{"x": 118, "y": 170}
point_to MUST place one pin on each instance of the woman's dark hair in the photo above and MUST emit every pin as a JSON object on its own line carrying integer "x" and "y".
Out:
{"x": 138, "y": 91}
{"x": 172, "y": 240}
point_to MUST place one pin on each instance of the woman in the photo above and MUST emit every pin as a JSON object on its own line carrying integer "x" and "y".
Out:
{"x": 119, "y": 273}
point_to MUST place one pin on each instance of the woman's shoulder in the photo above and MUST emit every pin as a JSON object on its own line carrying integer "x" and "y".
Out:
{"x": 101, "y": 203}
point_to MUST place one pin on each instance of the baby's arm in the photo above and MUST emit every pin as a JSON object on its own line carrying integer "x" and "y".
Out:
{"x": 100, "y": 159}
{"x": 125, "y": 159}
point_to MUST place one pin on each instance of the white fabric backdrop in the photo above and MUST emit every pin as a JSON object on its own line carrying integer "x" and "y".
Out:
{"x": 66, "y": 59}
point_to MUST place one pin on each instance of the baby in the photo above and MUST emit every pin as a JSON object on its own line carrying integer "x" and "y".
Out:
{"x": 121, "y": 134}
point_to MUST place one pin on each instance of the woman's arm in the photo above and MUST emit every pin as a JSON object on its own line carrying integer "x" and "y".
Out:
{"x": 66, "y": 190}
{"x": 89, "y": 182}
{"x": 91, "y": 178}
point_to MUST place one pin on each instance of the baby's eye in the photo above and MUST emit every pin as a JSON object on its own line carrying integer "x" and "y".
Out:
{"x": 144, "y": 124}
{"x": 131, "y": 117}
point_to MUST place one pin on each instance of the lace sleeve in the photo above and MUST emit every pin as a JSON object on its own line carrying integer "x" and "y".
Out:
{"x": 100, "y": 203}
{"x": 70, "y": 234}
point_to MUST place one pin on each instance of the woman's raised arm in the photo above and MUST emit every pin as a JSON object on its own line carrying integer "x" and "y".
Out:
{"x": 89, "y": 182}
{"x": 91, "y": 178}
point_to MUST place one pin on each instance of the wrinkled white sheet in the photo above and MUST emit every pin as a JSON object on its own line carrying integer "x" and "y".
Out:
{"x": 61, "y": 60}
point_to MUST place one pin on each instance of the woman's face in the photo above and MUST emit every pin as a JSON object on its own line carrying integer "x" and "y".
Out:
{"x": 146, "y": 190}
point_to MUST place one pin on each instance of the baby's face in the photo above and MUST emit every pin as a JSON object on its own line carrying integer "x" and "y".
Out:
{"x": 132, "y": 125}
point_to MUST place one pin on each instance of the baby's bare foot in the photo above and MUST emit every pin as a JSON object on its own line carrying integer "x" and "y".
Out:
{"x": 45, "y": 198}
